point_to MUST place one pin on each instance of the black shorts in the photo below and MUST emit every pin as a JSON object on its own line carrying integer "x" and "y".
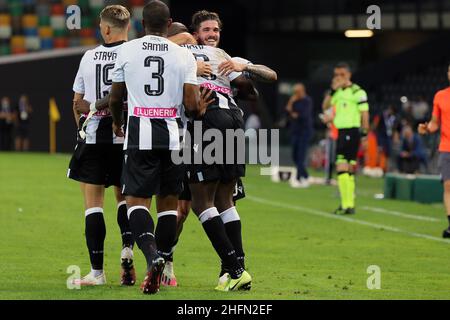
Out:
{"x": 99, "y": 164}
{"x": 239, "y": 191}
{"x": 151, "y": 172}
{"x": 219, "y": 119}
{"x": 347, "y": 145}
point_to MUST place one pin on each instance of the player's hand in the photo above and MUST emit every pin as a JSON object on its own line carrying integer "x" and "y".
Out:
{"x": 203, "y": 69}
{"x": 82, "y": 106}
{"x": 229, "y": 66}
{"x": 337, "y": 83}
{"x": 422, "y": 128}
{"x": 118, "y": 131}
{"x": 205, "y": 100}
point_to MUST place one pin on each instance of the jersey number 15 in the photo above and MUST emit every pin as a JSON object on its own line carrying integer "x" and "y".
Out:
{"x": 102, "y": 75}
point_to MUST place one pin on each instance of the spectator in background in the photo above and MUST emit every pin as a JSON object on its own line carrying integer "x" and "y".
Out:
{"x": 420, "y": 110}
{"x": 412, "y": 152}
{"x": 7, "y": 117}
{"x": 300, "y": 111}
{"x": 331, "y": 139}
{"x": 386, "y": 126}
{"x": 24, "y": 111}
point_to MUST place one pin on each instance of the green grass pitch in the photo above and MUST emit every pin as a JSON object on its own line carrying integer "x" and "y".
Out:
{"x": 295, "y": 248}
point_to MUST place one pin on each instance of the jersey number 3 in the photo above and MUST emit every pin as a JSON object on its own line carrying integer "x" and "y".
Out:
{"x": 158, "y": 75}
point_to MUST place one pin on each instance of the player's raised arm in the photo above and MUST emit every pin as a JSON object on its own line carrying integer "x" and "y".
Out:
{"x": 183, "y": 38}
{"x": 257, "y": 72}
{"x": 260, "y": 72}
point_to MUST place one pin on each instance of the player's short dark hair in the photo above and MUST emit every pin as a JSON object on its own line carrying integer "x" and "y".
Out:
{"x": 116, "y": 15}
{"x": 343, "y": 65}
{"x": 176, "y": 28}
{"x": 203, "y": 15}
{"x": 156, "y": 16}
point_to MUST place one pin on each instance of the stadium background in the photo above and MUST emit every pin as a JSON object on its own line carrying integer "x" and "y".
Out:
{"x": 301, "y": 40}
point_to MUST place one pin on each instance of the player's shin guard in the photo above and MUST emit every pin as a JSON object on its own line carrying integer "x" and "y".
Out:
{"x": 124, "y": 225}
{"x": 95, "y": 231}
{"x": 351, "y": 190}
{"x": 215, "y": 230}
{"x": 166, "y": 232}
{"x": 233, "y": 228}
{"x": 343, "y": 180}
{"x": 142, "y": 227}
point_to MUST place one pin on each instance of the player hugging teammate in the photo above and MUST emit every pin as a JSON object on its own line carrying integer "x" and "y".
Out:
{"x": 156, "y": 122}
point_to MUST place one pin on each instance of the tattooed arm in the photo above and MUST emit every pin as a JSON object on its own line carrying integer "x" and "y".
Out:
{"x": 257, "y": 72}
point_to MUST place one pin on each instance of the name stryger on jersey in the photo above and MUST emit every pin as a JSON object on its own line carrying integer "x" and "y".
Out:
{"x": 105, "y": 56}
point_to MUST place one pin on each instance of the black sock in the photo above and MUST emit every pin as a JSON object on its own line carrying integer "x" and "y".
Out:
{"x": 95, "y": 232}
{"x": 215, "y": 230}
{"x": 124, "y": 225}
{"x": 166, "y": 232}
{"x": 448, "y": 218}
{"x": 180, "y": 225}
{"x": 233, "y": 228}
{"x": 142, "y": 227}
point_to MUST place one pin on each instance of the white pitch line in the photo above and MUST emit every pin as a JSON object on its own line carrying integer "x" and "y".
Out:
{"x": 344, "y": 218}
{"x": 401, "y": 214}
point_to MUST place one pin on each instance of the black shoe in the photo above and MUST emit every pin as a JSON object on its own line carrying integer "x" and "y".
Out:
{"x": 339, "y": 210}
{"x": 349, "y": 211}
{"x": 153, "y": 279}
{"x": 446, "y": 233}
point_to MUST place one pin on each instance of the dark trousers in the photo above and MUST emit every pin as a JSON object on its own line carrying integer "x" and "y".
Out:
{"x": 300, "y": 144}
{"x": 330, "y": 158}
{"x": 6, "y": 138}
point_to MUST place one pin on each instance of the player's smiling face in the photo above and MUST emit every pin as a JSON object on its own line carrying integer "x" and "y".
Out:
{"x": 208, "y": 33}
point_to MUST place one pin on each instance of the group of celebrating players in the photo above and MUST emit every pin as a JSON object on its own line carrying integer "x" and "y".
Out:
{"x": 161, "y": 84}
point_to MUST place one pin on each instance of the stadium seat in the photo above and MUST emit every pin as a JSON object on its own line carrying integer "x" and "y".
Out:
{"x": 41, "y": 25}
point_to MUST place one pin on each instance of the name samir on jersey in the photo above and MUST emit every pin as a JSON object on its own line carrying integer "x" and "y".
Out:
{"x": 154, "y": 71}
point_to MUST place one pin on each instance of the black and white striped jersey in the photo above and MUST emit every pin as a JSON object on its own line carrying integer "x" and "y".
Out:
{"x": 218, "y": 83}
{"x": 93, "y": 80}
{"x": 154, "y": 70}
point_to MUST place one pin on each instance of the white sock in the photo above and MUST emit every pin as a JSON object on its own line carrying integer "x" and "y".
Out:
{"x": 96, "y": 273}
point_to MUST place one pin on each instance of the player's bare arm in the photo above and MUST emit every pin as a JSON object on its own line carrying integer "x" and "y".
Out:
{"x": 191, "y": 99}
{"x": 84, "y": 106}
{"x": 116, "y": 106}
{"x": 326, "y": 103}
{"x": 183, "y": 38}
{"x": 246, "y": 90}
{"x": 76, "y": 97}
{"x": 258, "y": 72}
{"x": 365, "y": 121}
